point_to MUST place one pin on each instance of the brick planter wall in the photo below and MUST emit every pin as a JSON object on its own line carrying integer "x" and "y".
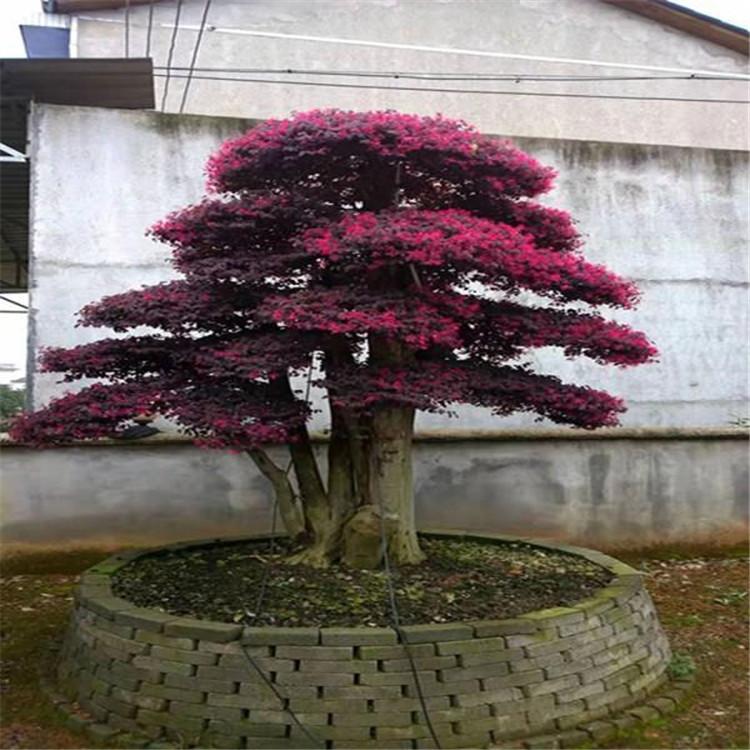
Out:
{"x": 146, "y": 672}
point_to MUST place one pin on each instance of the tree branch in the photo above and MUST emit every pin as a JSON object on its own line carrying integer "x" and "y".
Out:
{"x": 291, "y": 511}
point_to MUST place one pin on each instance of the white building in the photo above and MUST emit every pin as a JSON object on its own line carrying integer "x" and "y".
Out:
{"x": 470, "y": 41}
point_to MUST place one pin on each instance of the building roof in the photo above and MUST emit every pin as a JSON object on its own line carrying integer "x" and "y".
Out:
{"x": 690, "y": 21}
{"x": 89, "y": 82}
{"x": 125, "y": 84}
{"x": 77, "y": 6}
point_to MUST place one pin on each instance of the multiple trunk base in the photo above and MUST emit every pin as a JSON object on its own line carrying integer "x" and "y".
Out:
{"x": 366, "y": 508}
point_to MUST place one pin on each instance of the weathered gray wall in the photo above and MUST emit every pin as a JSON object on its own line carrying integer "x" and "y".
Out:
{"x": 675, "y": 219}
{"x": 601, "y": 492}
{"x": 578, "y": 29}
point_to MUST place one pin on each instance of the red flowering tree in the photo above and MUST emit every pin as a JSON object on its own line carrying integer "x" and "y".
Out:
{"x": 393, "y": 248}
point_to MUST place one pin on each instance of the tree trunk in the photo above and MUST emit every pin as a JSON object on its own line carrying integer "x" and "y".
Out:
{"x": 290, "y": 510}
{"x": 370, "y": 482}
{"x": 386, "y": 474}
{"x": 370, "y": 489}
{"x": 327, "y": 518}
{"x": 391, "y": 481}
{"x": 390, "y": 491}
{"x": 320, "y": 526}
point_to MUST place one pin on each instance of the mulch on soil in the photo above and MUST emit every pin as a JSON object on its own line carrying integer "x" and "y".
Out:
{"x": 460, "y": 580}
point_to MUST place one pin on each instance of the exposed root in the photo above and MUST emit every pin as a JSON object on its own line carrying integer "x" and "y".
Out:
{"x": 316, "y": 556}
{"x": 406, "y": 551}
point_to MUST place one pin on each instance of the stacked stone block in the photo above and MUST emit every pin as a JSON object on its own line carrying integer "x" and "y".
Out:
{"x": 214, "y": 684}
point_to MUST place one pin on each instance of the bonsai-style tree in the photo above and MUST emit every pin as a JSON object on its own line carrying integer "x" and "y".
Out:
{"x": 401, "y": 253}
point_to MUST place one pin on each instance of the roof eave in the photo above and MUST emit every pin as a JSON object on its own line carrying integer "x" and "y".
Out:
{"x": 690, "y": 21}
{"x": 79, "y": 6}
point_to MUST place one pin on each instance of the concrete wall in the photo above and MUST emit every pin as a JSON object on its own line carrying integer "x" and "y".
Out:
{"x": 675, "y": 219}
{"x": 578, "y": 29}
{"x": 617, "y": 491}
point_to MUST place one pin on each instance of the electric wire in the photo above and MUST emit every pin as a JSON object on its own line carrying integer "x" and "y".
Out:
{"x": 149, "y": 27}
{"x": 393, "y": 606}
{"x": 440, "y": 50}
{"x": 477, "y": 78}
{"x": 194, "y": 58}
{"x": 272, "y": 539}
{"x": 127, "y": 28}
{"x": 396, "y": 625}
{"x": 445, "y": 76}
{"x": 252, "y": 661}
{"x": 292, "y": 715}
{"x": 171, "y": 52}
{"x": 13, "y": 302}
{"x": 441, "y": 90}
{"x": 453, "y": 51}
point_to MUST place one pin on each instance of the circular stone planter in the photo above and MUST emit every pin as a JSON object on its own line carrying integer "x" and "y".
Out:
{"x": 485, "y": 682}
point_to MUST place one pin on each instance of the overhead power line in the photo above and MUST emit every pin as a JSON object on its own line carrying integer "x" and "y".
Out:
{"x": 150, "y": 27}
{"x": 459, "y": 51}
{"x": 13, "y": 302}
{"x": 175, "y": 27}
{"x": 441, "y": 50}
{"x": 441, "y": 90}
{"x": 127, "y": 28}
{"x": 194, "y": 58}
{"x": 421, "y": 76}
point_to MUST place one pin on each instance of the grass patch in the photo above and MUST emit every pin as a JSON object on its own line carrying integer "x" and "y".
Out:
{"x": 681, "y": 666}
{"x": 52, "y": 562}
{"x": 35, "y": 610}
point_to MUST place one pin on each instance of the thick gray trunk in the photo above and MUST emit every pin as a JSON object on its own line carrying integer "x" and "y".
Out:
{"x": 391, "y": 481}
{"x": 370, "y": 484}
{"x": 390, "y": 491}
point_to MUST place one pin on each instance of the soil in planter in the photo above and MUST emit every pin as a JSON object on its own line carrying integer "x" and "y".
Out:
{"x": 461, "y": 580}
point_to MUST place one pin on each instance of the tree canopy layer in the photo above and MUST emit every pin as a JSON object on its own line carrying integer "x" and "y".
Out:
{"x": 402, "y": 252}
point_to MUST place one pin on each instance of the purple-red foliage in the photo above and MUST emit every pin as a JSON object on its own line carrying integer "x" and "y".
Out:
{"x": 350, "y": 234}
{"x": 505, "y": 330}
{"x": 218, "y": 412}
{"x": 94, "y": 412}
{"x": 175, "y": 307}
{"x": 330, "y": 152}
{"x": 433, "y": 386}
{"x": 460, "y": 247}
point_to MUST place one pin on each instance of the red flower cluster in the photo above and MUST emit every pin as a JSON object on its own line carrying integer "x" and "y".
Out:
{"x": 356, "y": 235}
